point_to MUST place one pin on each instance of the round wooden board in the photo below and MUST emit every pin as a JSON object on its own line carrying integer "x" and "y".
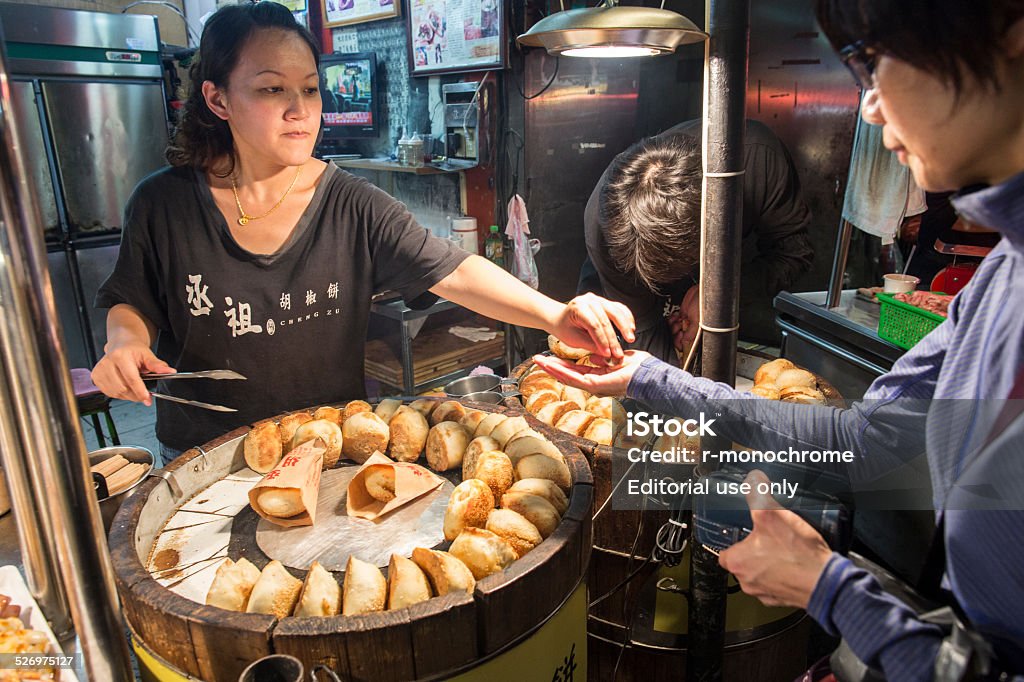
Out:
{"x": 335, "y": 536}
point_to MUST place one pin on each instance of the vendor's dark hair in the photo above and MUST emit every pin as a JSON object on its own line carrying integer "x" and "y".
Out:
{"x": 201, "y": 138}
{"x": 946, "y": 38}
{"x": 650, "y": 209}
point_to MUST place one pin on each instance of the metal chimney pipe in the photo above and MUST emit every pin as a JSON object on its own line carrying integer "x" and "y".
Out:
{"x": 43, "y": 417}
{"x": 725, "y": 86}
{"x": 35, "y": 532}
{"x": 725, "y": 81}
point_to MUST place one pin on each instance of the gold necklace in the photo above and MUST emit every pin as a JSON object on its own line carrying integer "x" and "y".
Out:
{"x": 243, "y": 217}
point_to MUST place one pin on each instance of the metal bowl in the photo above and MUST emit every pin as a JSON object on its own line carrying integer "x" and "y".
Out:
{"x": 135, "y": 455}
{"x": 491, "y": 397}
{"x": 464, "y": 387}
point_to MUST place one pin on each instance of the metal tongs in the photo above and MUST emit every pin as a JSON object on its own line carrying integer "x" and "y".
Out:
{"x": 205, "y": 374}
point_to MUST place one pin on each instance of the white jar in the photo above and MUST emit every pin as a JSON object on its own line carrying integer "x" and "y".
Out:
{"x": 465, "y": 235}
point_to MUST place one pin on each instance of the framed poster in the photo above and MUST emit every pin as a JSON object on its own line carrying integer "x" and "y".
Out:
{"x": 345, "y": 12}
{"x": 455, "y": 35}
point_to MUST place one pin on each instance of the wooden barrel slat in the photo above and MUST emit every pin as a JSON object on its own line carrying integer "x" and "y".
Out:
{"x": 374, "y": 646}
{"x": 293, "y": 638}
{"x": 225, "y": 644}
{"x": 209, "y": 643}
{"x": 378, "y": 647}
{"x": 444, "y": 634}
{"x": 337, "y": 641}
{"x": 606, "y": 572}
{"x": 525, "y": 594}
{"x": 170, "y": 636}
{"x": 777, "y": 658}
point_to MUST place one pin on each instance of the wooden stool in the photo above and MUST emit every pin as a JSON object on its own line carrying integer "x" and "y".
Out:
{"x": 92, "y": 402}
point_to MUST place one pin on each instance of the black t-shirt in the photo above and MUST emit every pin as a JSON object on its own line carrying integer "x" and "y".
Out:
{"x": 776, "y": 245}
{"x": 293, "y": 322}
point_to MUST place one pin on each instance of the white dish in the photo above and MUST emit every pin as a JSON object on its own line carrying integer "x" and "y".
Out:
{"x": 899, "y": 284}
{"x": 13, "y": 585}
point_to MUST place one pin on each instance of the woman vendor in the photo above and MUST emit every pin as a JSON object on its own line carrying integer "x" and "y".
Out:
{"x": 249, "y": 254}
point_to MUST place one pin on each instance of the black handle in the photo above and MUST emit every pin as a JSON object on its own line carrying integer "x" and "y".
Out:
{"x": 100, "y": 483}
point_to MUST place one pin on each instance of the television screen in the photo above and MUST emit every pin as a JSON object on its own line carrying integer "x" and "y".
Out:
{"x": 348, "y": 84}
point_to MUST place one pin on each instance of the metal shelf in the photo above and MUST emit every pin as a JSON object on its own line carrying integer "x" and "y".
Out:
{"x": 391, "y": 166}
{"x": 410, "y": 322}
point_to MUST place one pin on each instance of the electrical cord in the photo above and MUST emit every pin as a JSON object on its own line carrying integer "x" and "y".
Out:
{"x": 670, "y": 542}
{"x": 625, "y": 581}
{"x": 612, "y": 493}
{"x": 632, "y": 553}
{"x": 627, "y": 640}
{"x": 630, "y": 572}
{"x": 554, "y": 75}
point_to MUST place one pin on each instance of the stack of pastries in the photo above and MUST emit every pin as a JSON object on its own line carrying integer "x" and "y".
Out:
{"x": 512, "y": 497}
{"x": 568, "y": 409}
{"x": 782, "y": 380}
{"x": 448, "y": 434}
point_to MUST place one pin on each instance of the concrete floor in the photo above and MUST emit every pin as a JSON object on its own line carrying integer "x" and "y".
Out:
{"x": 135, "y": 424}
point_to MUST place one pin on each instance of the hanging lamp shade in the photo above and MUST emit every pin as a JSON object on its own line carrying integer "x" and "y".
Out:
{"x": 612, "y": 31}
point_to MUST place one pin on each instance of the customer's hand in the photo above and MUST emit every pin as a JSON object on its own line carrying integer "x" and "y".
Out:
{"x": 610, "y": 380}
{"x": 117, "y": 372}
{"x": 782, "y": 558}
{"x": 589, "y": 321}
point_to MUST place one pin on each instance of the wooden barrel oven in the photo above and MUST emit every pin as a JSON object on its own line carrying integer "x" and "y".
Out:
{"x": 528, "y": 619}
{"x": 762, "y": 643}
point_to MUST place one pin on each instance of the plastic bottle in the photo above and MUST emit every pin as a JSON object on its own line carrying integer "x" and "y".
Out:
{"x": 494, "y": 247}
{"x": 402, "y": 152}
{"x": 415, "y": 151}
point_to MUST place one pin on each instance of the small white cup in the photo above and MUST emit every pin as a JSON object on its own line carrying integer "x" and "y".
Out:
{"x": 900, "y": 284}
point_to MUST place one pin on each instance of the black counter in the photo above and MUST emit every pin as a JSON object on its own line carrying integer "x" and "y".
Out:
{"x": 841, "y": 344}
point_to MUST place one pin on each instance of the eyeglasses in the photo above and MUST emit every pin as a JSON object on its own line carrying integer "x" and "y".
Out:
{"x": 861, "y": 60}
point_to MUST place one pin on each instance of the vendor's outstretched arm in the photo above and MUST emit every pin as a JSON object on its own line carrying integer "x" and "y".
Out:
{"x": 587, "y": 321}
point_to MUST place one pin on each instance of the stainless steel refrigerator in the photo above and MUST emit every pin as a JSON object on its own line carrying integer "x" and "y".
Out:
{"x": 90, "y": 107}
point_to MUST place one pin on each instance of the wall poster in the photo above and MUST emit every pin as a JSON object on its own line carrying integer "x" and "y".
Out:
{"x": 455, "y": 35}
{"x": 345, "y": 12}
{"x": 298, "y": 10}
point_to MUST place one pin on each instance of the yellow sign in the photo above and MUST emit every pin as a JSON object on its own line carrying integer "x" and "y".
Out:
{"x": 556, "y": 652}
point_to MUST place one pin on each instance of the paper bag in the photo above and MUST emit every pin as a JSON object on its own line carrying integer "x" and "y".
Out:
{"x": 411, "y": 481}
{"x": 299, "y": 470}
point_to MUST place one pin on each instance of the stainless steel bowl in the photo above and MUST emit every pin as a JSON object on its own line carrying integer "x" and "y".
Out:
{"x": 135, "y": 455}
{"x": 462, "y": 388}
{"x": 492, "y": 397}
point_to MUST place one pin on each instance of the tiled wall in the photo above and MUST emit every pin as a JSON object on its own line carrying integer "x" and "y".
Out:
{"x": 404, "y": 105}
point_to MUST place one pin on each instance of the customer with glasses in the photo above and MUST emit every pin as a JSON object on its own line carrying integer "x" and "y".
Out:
{"x": 945, "y": 79}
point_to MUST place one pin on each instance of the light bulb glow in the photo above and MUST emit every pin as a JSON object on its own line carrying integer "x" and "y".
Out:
{"x": 610, "y": 51}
